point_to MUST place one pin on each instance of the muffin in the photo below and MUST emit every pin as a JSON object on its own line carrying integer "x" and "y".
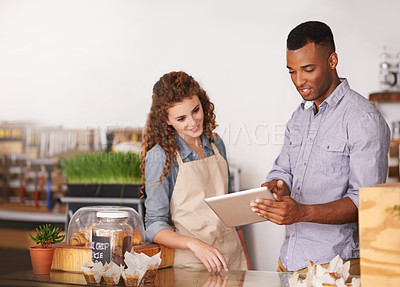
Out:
{"x": 92, "y": 272}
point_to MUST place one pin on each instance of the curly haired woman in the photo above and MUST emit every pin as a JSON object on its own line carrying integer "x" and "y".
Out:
{"x": 183, "y": 162}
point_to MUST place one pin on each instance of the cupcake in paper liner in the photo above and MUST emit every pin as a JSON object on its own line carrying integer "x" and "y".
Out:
{"x": 141, "y": 260}
{"x": 136, "y": 268}
{"x": 134, "y": 261}
{"x": 133, "y": 277}
{"x": 112, "y": 273}
{"x": 153, "y": 265}
{"x": 92, "y": 272}
{"x": 317, "y": 276}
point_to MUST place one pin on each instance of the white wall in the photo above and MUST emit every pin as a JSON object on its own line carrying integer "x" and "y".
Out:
{"x": 93, "y": 63}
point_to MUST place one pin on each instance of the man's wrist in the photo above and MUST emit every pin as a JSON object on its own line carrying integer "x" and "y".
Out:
{"x": 307, "y": 213}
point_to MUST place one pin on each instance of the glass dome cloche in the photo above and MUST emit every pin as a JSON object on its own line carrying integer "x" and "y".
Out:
{"x": 79, "y": 231}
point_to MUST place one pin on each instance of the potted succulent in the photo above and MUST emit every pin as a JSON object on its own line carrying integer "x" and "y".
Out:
{"x": 42, "y": 253}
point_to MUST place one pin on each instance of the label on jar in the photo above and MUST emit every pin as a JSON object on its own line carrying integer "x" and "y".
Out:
{"x": 101, "y": 249}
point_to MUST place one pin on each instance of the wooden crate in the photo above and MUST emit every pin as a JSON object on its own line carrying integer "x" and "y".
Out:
{"x": 71, "y": 258}
{"x": 379, "y": 226}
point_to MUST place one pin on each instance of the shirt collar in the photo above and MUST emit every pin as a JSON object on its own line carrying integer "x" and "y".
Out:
{"x": 338, "y": 93}
{"x": 184, "y": 149}
{"x": 308, "y": 104}
{"x": 333, "y": 98}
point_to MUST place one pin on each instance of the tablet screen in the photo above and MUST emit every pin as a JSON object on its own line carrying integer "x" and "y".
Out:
{"x": 234, "y": 208}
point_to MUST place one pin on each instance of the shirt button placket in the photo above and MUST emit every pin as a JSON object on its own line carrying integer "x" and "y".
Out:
{"x": 291, "y": 245}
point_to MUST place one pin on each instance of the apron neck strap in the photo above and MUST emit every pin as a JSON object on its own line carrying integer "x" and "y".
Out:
{"x": 214, "y": 147}
{"x": 179, "y": 159}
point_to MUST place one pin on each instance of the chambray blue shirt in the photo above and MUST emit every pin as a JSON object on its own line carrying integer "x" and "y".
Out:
{"x": 327, "y": 156}
{"x": 159, "y": 193}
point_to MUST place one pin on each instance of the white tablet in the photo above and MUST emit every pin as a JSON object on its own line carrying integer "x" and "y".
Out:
{"x": 234, "y": 208}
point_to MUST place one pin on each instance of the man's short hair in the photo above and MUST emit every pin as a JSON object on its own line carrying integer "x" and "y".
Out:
{"x": 311, "y": 32}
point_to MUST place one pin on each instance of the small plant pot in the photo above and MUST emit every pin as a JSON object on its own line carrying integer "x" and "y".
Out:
{"x": 41, "y": 259}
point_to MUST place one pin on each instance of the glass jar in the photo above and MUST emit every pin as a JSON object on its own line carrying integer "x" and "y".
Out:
{"x": 79, "y": 231}
{"x": 111, "y": 237}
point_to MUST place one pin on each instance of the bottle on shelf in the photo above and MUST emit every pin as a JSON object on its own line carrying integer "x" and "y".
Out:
{"x": 389, "y": 70}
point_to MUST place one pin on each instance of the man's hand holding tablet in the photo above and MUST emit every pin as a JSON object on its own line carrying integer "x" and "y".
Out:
{"x": 282, "y": 211}
{"x": 234, "y": 208}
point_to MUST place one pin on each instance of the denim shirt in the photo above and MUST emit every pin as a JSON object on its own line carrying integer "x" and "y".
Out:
{"x": 327, "y": 156}
{"x": 159, "y": 193}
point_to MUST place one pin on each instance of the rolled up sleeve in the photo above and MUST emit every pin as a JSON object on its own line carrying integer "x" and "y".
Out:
{"x": 369, "y": 145}
{"x": 157, "y": 200}
{"x": 281, "y": 168}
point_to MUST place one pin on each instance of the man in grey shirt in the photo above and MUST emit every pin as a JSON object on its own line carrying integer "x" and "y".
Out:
{"x": 335, "y": 143}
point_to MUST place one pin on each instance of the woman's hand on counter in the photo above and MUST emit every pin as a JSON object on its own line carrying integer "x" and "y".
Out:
{"x": 211, "y": 257}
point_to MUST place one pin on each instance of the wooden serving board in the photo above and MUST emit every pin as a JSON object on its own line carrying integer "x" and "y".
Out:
{"x": 379, "y": 224}
{"x": 71, "y": 258}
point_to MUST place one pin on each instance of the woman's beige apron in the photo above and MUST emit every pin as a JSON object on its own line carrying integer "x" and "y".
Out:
{"x": 191, "y": 216}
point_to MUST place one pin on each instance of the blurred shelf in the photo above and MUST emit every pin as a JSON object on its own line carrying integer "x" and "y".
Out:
{"x": 30, "y": 213}
{"x": 101, "y": 200}
{"x": 32, "y": 216}
{"x": 385, "y": 97}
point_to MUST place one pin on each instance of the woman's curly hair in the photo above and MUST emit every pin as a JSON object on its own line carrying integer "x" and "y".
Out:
{"x": 172, "y": 88}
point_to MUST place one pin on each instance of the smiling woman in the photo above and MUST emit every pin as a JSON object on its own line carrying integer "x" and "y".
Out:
{"x": 187, "y": 119}
{"x": 184, "y": 162}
